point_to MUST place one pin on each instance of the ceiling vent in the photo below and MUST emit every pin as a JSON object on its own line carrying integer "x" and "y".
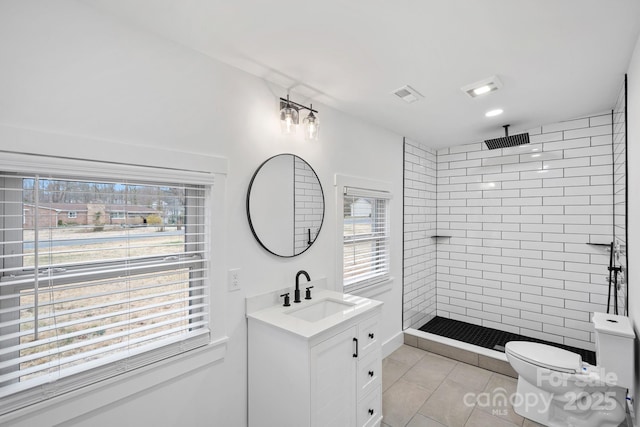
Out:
{"x": 408, "y": 94}
{"x": 484, "y": 86}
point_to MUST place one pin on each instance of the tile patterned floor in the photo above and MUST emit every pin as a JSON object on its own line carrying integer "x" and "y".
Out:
{"x": 423, "y": 389}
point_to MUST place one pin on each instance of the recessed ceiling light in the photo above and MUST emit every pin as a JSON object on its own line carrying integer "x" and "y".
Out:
{"x": 408, "y": 94}
{"x": 493, "y": 113}
{"x": 484, "y": 86}
{"x": 482, "y": 90}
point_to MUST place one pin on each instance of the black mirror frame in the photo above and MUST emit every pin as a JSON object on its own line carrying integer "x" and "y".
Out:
{"x": 253, "y": 231}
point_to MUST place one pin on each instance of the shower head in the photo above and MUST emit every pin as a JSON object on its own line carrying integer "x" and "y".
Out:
{"x": 506, "y": 140}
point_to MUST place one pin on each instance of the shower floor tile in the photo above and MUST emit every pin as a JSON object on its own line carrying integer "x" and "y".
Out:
{"x": 490, "y": 338}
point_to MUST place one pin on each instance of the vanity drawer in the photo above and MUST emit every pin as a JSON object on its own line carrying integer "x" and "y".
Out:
{"x": 368, "y": 335}
{"x": 369, "y": 372}
{"x": 370, "y": 409}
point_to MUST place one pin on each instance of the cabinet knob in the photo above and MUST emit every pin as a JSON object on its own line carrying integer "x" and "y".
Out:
{"x": 371, "y": 335}
{"x": 371, "y": 373}
{"x": 370, "y": 411}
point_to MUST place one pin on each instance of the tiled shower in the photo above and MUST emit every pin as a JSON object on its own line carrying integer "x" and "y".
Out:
{"x": 516, "y": 239}
{"x": 308, "y": 208}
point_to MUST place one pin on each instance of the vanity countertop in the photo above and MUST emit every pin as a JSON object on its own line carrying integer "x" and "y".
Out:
{"x": 329, "y": 307}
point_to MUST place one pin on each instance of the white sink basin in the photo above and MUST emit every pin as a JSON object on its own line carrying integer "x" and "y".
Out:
{"x": 309, "y": 318}
{"x": 320, "y": 309}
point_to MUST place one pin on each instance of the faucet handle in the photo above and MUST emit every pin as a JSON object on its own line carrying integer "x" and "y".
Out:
{"x": 308, "y": 294}
{"x": 286, "y": 300}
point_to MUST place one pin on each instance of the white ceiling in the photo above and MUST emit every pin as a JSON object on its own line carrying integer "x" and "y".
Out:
{"x": 557, "y": 59}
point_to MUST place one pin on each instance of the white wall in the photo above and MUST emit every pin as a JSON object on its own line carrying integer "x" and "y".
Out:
{"x": 66, "y": 69}
{"x": 633, "y": 147}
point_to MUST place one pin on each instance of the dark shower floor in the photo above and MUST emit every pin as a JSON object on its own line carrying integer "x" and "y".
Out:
{"x": 489, "y": 338}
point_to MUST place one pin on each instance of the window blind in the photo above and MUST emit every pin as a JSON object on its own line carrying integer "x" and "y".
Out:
{"x": 97, "y": 277}
{"x": 366, "y": 237}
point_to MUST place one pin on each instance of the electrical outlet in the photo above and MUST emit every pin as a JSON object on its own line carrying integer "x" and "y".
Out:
{"x": 234, "y": 279}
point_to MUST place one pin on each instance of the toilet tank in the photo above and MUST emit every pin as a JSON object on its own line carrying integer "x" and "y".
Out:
{"x": 614, "y": 346}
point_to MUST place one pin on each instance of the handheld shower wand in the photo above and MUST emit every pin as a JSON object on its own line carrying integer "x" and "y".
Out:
{"x": 613, "y": 270}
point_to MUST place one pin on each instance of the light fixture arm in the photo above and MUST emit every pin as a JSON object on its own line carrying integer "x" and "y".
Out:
{"x": 284, "y": 102}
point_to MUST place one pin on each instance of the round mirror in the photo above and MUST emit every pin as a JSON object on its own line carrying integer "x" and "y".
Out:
{"x": 285, "y": 205}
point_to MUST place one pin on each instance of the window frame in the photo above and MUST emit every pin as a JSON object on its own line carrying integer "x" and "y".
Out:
{"x": 159, "y": 165}
{"x": 366, "y": 187}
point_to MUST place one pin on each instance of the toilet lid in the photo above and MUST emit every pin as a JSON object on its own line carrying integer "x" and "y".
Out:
{"x": 545, "y": 356}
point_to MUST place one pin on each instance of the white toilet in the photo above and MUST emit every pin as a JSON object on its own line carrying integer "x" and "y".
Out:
{"x": 556, "y": 388}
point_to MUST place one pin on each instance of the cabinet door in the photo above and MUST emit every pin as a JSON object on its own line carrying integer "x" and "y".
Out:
{"x": 334, "y": 381}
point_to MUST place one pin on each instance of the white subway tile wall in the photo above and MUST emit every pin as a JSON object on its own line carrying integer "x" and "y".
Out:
{"x": 519, "y": 219}
{"x": 308, "y": 205}
{"x": 419, "y": 227}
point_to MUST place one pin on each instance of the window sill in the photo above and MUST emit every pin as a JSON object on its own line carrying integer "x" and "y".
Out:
{"x": 373, "y": 290}
{"x": 87, "y": 399}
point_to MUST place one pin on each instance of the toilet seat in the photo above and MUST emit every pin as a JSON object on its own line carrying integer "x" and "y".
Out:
{"x": 545, "y": 356}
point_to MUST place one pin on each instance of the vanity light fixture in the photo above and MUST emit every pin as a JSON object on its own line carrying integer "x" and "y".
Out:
{"x": 482, "y": 87}
{"x": 289, "y": 118}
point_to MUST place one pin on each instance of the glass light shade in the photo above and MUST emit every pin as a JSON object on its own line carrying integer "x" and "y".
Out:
{"x": 288, "y": 119}
{"x": 311, "y": 127}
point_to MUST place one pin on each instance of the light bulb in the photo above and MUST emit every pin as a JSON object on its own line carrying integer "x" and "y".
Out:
{"x": 482, "y": 90}
{"x": 288, "y": 120}
{"x": 311, "y": 126}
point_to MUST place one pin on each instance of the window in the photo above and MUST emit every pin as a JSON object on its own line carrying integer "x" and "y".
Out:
{"x": 117, "y": 215}
{"x": 72, "y": 214}
{"x": 365, "y": 237}
{"x": 85, "y": 301}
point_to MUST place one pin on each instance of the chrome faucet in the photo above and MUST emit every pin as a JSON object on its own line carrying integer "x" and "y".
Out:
{"x": 296, "y": 294}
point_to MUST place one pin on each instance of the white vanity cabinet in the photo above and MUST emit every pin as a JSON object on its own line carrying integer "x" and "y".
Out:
{"x": 329, "y": 379}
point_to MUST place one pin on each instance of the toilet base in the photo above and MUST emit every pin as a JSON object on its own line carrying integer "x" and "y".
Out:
{"x": 587, "y": 407}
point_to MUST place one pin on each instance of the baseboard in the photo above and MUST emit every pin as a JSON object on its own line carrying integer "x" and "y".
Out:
{"x": 392, "y": 344}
